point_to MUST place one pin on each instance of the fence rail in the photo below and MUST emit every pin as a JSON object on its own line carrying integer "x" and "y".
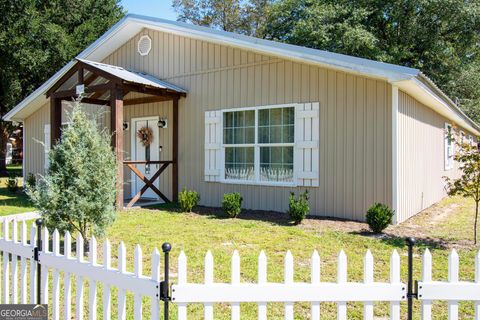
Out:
{"x": 57, "y": 260}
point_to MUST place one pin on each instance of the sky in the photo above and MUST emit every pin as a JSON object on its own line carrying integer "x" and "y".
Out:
{"x": 152, "y": 8}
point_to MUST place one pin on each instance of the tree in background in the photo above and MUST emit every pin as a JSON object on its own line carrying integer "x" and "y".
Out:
{"x": 78, "y": 191}
{"x": 468, "y": 184}
{"x": 439, "y": 37}
{"x": 244, "y": 17}
{"x": 39, "y": 37}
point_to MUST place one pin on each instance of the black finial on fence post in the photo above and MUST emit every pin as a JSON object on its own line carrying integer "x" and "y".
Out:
{"x": 410, "y": 294}
{"x": 164, "y": 286}
{"x": 36, "y": 256}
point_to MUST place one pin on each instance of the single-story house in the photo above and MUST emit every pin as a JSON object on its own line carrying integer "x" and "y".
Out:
{"x": 221, "y": 112}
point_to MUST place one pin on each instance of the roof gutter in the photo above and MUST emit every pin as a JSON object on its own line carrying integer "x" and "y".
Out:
{"x": 425, "y": 91}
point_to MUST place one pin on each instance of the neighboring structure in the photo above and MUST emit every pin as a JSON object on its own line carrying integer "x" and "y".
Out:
{"x": 235, "y": 113}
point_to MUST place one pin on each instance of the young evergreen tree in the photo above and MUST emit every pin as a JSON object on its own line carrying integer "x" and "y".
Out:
{"x": 78, "y": 191}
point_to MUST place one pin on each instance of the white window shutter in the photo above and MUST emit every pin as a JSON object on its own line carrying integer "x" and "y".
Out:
{"x": 46, "y": 145}
{"x": 213, "y": 142}
{"x": 307, "y": 129}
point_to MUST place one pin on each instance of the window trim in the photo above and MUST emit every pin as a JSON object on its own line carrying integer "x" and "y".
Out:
{"x": 447, "y": 164}
{"x": 257, "y": 146}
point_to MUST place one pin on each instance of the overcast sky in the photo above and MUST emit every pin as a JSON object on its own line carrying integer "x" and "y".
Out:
{"x": 152, "y": 8}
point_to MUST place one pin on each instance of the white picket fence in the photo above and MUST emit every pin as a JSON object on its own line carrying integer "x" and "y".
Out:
{"x": 15, "y": 288}
{"x": 18, "y": 270}
{"x": 315, "y": 292}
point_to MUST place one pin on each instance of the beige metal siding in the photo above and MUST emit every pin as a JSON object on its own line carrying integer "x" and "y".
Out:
{"x": 355, "y": 120}
{"x": 421, "y": 153}
{"x": 33, "y": 126}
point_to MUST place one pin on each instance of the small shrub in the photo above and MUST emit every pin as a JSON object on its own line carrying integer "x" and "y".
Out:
{"x": 379, "y": 216}
{"x": 232, "y": 204}
{"x": 31, "y": 181}
{"x": 12, "y": 184}
{"x": 298, "y": 208}
{"x": 188, "y": 199}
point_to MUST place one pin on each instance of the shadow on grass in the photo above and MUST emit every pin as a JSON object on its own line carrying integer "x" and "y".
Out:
{"x": 14, "y": 199}
{"x": 400, "y": 242}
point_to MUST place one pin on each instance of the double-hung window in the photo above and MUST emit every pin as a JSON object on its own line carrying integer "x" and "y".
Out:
{"x": 259, "y": 145}
{"x": 449, "y": 146}
{"x": 268, "y": 145}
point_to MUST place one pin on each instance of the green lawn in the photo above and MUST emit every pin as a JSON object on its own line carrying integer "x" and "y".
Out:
{"x": 13, "y": 203}
{"x": 195, "y": 234}
{"x": 439, "y": 228}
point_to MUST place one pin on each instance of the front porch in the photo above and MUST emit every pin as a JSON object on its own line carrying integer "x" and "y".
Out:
{"x": 106, "y": 85}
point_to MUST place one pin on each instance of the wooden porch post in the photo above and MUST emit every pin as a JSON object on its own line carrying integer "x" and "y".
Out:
{"x": 116, "y": 126}
{"x": 55, "y": 120}
{"x": 175, "y": 150}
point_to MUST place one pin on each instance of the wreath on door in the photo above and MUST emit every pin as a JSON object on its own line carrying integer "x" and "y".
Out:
{"x": 145, "y": 134}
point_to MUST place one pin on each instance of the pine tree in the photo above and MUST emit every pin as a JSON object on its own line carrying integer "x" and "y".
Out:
{"x": 78, "y": 191}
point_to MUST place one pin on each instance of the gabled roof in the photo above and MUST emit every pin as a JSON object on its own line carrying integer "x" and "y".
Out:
{"x": 133, "y": 76}
{"x": 407, "y": 79}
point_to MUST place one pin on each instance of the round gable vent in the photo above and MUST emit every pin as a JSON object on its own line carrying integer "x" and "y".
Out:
{"x": 144, "y": 45}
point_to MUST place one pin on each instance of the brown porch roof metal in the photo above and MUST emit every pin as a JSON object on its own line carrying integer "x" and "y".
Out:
{"x": 133, "y": 76}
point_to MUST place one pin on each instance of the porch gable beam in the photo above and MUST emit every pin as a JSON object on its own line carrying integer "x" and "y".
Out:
{"x": 90, "y": 89}
{"x": 62, "y": 80}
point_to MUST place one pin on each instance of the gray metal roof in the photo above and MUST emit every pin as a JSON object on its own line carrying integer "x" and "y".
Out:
{"x": 133, "y": 76}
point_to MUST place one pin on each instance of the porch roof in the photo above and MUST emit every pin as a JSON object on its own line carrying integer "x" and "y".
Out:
{"x": 97, "y": 78}
{"x": 133, "y": 76}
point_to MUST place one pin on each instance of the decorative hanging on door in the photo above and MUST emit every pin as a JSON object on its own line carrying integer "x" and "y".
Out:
{"x": 145, "y": 134}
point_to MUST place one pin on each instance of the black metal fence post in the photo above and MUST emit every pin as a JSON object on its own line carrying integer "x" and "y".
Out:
{"x": 38, "y": 248}
{"x": 165, "y": 284}
{"x": 410, "y": 293}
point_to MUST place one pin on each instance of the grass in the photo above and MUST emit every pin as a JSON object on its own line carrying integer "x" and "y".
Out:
{"x": 195, "y": 234}
{"x": 13, "y": 202}
{"x": 440, "y": 228}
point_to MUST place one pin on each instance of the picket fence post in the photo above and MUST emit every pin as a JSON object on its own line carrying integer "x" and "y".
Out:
{"x": 453, "y": 262}
{"x": 137, "y": 269}
{"x": 92, "y": 290}
{"x": 107, "y": 296}
{"x": 262, "y": 279}
{"x": 122, "y": 295}
{"x": 368, "y": 278}
{"x": 79, "y": 289}
{"x": 427, "y": 277}
{"x": 182, "y": 279}
{"x": 395, "y": 278}
{"x": 208, "y": 280}
{"x": 288, "y": 279}
{"x": 342, "y": 278}
{"x": 56, "y": 278}
{"x": 14, "y": 264}
{"x": 6, "y": 266}
{"x": 315, "y": 279}
{"x": 67, "y": 298}
{"x": 23, "y": 266}
{"x": 235, "y": 280}
{"x": 33, "y": 264}
{"x": 156, "y": 277}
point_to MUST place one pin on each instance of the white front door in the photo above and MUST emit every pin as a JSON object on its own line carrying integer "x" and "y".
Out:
{"x": 141, "y": 152}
